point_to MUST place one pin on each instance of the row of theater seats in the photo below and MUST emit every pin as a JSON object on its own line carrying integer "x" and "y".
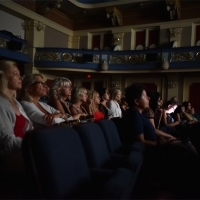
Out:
{"x": 86, "y": 161}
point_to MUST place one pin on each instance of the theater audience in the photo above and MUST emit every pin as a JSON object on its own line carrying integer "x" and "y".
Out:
{"x": 79, "y": 97}
{"x": 154, "y": 114}
{"x": 40, "y": 113}
{"x": 14, "y": 122}
{"x": 167, "y": 161}
{"x": 60, "y": 91}
{"x": 103, "y": 107}
{"x": 113, "y": 104}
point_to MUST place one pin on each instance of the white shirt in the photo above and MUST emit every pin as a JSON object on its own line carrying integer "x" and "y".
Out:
{"x": 115, "y": 108}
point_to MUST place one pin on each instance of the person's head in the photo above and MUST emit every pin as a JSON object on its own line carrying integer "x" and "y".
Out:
{"x": 136, "y": 96}
{"x": 187, "y": 105}
{"x": 79, "y": 94}
{"x": 180, "y": 109}
{"x": 61, "y": 88}
{"x": 167, "y": 104}
{"x": 116, "y": 94}
{"x": 174, "y": 100}
{"x": 104, "y": 94}
{"x": 123, "y": 103}
{"x": 95, "y": 100}
{"x": 33, "y": 85}
{"x": 10, "y": 78}
{"x": 154, "y": 101}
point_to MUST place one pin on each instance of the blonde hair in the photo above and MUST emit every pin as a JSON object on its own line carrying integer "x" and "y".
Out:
{"x": 5, "y": 66}
{"x": 58, "y": 84}
{"x": 77, "y": 93}
{"x": 114, "y": 93}
{"x": 92, "y": 95}
{"x": 28, "y": 80}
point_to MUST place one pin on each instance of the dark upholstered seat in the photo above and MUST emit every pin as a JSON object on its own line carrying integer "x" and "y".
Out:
{"x": 113, "y": 141}
{"x": 56, "y": 158}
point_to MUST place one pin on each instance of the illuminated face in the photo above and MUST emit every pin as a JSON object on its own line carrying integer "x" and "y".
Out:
{"x": 39, "y": 88}
{"x": 84, "y": 96}
{"x": 106, "y": 95}
{"x": 143, "y": 102}
{"x": 14, "y": 78}
{"x": 97, "y": 99}
{"x": 65, "y": 91}
{"x": 118, "y": 96}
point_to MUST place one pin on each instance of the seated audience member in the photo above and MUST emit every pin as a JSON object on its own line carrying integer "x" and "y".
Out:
{"x": 194, "y": 115}
{"x": 153, "y": 113}
{"x": 169, "y": 162}
{"x": 14, "y": 123}
{"x": 167, "y": 119}
{"x": 182, "y": 116}
{"x": 45, "y": 98}
{"x": 79, "y": 96}
{"x": 113, "y": 104}
{"x": 94, "y": 105}
{"x": 123, "y": 105}
{"x": 61, "y": 90}
{"x": 103, "y": 107}
{"x": 40, "y": 113}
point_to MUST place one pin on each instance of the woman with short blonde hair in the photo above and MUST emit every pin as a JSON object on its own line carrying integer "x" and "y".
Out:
{"x": 60, "y": 91}
{"x": 78, "y": 97}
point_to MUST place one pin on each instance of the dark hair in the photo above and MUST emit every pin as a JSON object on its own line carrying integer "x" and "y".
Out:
{"x": 153, "y": 101}
{"x": 185, "y": 104}
{"x": 132, "y": 92}
{"x": 167, "y": 103}
{"x": 101, "y": 92}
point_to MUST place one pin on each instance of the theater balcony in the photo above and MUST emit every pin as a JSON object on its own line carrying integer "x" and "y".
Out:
{"x": 181, "y": 59}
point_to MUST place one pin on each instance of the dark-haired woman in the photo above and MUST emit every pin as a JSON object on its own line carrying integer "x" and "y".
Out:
{"x": 103, "y": 107}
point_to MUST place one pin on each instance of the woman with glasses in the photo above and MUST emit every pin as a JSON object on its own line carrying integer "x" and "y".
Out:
{"x": 14, "y": 122}
{"x": 41, "y": 114}
{"x": 61, "y": 91}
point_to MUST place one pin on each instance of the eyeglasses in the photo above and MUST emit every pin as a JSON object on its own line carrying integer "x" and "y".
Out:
{"x": 39, "y": 82}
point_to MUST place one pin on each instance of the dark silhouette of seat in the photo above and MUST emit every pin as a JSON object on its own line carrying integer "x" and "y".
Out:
{"x": 113, "y": 140}
{"x": 55, "y": 157}
{"x": 97, "y": 151}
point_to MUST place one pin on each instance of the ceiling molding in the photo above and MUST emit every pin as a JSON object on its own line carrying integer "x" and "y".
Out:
{"x": 105, "y": 4}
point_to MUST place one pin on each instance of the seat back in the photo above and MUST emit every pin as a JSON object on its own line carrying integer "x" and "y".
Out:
{"x": 56, "y": 157}
{"x": 111, "y": 135}
{"x": 94, "y": 143}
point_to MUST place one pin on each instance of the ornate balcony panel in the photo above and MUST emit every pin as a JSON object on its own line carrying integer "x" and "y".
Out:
{"x": 151, "y": 59}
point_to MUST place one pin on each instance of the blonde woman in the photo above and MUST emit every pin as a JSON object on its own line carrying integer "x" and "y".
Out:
{"x": 113, "y": 104}
{"x": 41, "y": 114}
{"x": 14, "y": 122}
{"x": 94, "y": 105}
{"x": 78, "y": 97}
{"x": 60, "y": 91}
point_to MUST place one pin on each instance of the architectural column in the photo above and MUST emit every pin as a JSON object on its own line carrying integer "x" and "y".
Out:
{"x": 173, "y": 7}
{"x": 118, "y": 39}
{"x": 175, "y": 35}
{"x": 73, "y": 42}
{"x": 34, "y": 34}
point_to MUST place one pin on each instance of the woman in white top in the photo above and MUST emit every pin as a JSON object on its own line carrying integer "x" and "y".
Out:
{"x": 14, "y": 122}
{"x": 113, "y": 104}
{"x": 41, "y": 114}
